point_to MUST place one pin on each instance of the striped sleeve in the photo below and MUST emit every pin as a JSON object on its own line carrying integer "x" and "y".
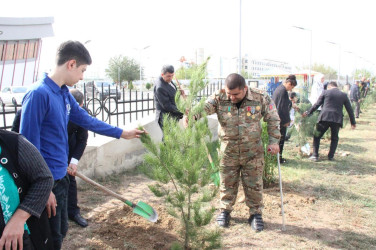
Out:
{"x": 35, "y": 171}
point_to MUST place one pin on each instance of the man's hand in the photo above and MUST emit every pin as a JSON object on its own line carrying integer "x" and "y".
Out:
{"x": 12, "y": 237}
{"x": 72, "y": 169}
{"x": 185, "y": 121}
{"x": 295, "y": 107}
{"x": 305, "y": 114}
{"x": 273, "y": 149}
{"x": 51, "y": 205}
{"x": 133, "y": 133}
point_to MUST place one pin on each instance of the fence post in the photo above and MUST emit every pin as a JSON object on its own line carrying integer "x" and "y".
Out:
{"x": 130, "y": 105}
{"x": 142, "y": 104}
{"x": 123, "y": 106}
{"x": 136, "y": 107}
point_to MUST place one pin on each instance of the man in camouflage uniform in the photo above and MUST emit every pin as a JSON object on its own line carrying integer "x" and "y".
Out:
{"x": 240, "y": 110}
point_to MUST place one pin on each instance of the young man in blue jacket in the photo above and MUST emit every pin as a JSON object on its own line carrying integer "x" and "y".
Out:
{"x": 46, "y": 110}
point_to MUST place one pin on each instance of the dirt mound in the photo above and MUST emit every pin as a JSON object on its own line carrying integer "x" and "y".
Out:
{"x": 121, "y": 228}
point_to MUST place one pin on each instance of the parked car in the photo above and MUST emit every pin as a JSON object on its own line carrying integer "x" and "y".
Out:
{"x": 101, "y": 90}
{"x": 13, "y": 92}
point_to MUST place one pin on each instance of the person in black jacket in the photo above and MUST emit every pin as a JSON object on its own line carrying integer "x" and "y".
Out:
{"x": 77, "y": 140}
{"x": 283, "y": 105}
{"x": 355, "y": 97}
{"x": 331, "y": 116}
{"x": 26, "y": 183}
{"x": 16, "y": 121}
{"x": 164, "y": 95}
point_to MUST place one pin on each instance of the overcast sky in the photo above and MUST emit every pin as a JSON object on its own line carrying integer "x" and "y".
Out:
{"x": 175, "y": 28}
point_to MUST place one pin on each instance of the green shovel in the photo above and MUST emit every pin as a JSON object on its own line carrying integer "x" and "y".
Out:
{"x": 140, "y": 208}
{"x": 214, "y": 176}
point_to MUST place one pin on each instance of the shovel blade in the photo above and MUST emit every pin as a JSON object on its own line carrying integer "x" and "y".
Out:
{"x": 215, "y": 178}
{"x": 145, "y": 211}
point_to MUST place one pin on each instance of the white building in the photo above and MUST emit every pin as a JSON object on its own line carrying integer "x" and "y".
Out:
{"x": 255, "y": 67}
{"x": 20, "y": 48}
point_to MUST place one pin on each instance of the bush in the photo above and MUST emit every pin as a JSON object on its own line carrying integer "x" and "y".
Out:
{"x": 148, "y": 85}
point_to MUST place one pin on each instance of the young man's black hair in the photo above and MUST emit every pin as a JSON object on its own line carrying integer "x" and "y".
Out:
{"x": 73, "y": 50}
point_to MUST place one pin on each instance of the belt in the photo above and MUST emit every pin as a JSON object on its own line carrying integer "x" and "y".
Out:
{"x": 57, "y": 181}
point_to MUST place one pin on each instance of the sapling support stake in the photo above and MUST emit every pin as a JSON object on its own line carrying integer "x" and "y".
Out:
{"x": 280, "y": 190}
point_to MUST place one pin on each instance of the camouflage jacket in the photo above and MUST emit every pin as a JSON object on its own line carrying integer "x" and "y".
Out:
{"x": 240, "y": 129}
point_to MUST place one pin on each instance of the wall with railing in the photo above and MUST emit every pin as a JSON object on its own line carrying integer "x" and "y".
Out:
{"x": 111, "y": 104}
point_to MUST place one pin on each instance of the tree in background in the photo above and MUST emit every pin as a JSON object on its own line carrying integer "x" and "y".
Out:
{"x": 359, "y": 73}
{"x": 148, "y": 85}
{"x": 328, "y": 71}
{"x": 181, "y": 166}
{"x": 188, "y": 72}
{"x": 246, "y": 74}
{"x": 121, "y": 68}
{"x": 331, "y": 74}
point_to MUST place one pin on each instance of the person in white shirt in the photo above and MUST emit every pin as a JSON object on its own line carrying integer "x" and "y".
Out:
{"x": 317, "y": 89}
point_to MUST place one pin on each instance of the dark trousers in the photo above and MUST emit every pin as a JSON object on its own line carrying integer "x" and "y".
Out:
{"x": 73, "y": 208}
{"x": 59, "y": 223}
{"x": 282, "y": 130}
{"x": 357, "y": 108}
{"x": 27, "y": 244}
{"x": 320, "y": 130}
{"x": 160, "y": 123}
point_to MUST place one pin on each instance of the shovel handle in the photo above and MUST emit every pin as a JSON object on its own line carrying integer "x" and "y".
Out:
{"x": 180, "y": 88}
{"x": 103, "y": 188}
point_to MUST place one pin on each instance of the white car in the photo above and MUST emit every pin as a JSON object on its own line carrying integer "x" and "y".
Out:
{"x": 16, "y": 92}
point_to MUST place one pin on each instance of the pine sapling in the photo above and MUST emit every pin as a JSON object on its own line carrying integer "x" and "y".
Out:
{"x": 181, "y": 167}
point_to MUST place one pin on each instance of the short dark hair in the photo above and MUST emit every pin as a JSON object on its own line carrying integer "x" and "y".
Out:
{"x": 291, "y": 79}
{"x": 234, "y": 81}
{"x": 292, "y": 95}
{"x": 167, "y": 69}
{"x": 77, "y": 95}
{"x": 333, "y": 84}
{"x": 72, "y": 50}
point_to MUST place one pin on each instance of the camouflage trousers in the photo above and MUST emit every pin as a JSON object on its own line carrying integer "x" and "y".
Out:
{"x": 250, "y": 172}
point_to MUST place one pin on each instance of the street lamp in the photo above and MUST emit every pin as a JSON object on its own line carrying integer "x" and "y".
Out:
{"x": 140, "y": 50}
{"x": 350, "y": 52}
{"x": 240, "y": 38}
{"x": 339, "y": 58}
{"x": 310, "y": 53}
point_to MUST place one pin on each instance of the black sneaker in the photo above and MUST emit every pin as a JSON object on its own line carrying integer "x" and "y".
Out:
{"x": 256, "y": 222}
{"x": 330, "y": 158}
{"x": 282, "y": 160}
{"x": 223, "y": 219}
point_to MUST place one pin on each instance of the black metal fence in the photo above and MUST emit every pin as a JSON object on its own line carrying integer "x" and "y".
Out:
{"x": 111, "y": 104}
